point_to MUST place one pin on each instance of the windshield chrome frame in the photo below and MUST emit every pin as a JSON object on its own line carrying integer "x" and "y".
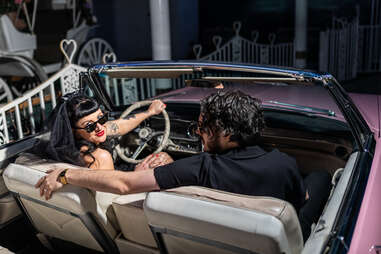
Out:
{"x": 358, "y": 126}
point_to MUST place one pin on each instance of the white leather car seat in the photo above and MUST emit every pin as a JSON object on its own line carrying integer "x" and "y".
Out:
{"x": 72, "y": 214}
{"x": 9, "y": 209}
{"x": 201, "y": 220}
{"x": 136, "y": 234}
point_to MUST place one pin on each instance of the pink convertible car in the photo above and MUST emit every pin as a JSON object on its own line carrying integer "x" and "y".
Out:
{"x": 308, "y": 116}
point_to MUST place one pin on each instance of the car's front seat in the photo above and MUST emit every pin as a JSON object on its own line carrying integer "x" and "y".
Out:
{"x": 72, "y": 214}
{"x": 9, "y": 210}
{"x": 201, "y": 220}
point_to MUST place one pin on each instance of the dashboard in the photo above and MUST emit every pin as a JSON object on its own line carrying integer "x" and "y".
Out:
{"x": 182, "y": 137}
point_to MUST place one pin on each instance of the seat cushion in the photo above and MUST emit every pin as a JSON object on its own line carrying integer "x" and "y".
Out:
{"x": 259, "y": 224}
{"x": 8, "y": 209}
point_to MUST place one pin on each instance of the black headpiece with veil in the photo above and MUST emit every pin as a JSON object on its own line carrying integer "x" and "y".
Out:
{"x": 62, "y": 145}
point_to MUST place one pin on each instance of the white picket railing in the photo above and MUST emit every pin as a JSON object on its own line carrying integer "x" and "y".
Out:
{"x": 239, "y": 49}
{"x": 369, "y": 48}
{"x": 22, "y": 116}
{"x": 125, "y": 91}
{"x": 348, "y": 48}
{"x": 339, "y": 49}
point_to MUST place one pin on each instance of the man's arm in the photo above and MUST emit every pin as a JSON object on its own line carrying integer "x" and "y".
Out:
{"x": 117, "y": 182}
{"x": 121, "y": 127}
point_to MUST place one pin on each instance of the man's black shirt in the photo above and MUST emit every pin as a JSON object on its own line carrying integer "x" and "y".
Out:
{"x": 250, "y": 171}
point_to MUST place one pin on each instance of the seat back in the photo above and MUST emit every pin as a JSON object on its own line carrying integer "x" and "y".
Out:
{"x": 132, "y": 220}
{"x": 201, "y": 220}
{"x": 72, "y": 214}
{"x": 8, "y": 206}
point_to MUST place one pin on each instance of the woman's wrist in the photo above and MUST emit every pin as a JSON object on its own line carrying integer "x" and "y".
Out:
{"x": 149, "y": 113}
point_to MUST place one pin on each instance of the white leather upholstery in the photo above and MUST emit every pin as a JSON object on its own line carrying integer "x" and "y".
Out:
{"x": 8, "y": 206}
{"x": 126, "y": 246}
{"x": 132, "y": 220}
{"x": 3, "y": 188}
{"x": 4, "y": 250}
{"x": 8, "y": 209}
{"x": 55, "y": 216}
{"x": 195, "y": 215}
{"x": 35, "y": 162}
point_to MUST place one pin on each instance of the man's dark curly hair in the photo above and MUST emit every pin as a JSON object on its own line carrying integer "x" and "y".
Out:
{"x": 234, "y": 113}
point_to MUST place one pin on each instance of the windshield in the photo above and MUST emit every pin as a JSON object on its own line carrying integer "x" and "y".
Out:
{"x": 279, "y": 94}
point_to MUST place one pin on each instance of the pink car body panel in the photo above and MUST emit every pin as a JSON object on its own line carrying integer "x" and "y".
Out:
{"x": 368, "y": 226}
{"x": 367, "y": 233}
{"x": 369, "y": 106}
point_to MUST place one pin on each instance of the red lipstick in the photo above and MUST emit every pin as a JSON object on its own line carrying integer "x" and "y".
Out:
{"x": 100, "y": 134}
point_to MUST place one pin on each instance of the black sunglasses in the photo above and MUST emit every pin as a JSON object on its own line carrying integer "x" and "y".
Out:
{"x": 92, "y": 126}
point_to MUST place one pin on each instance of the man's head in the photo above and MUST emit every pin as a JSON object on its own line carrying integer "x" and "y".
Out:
{"x": 229, "y": 118}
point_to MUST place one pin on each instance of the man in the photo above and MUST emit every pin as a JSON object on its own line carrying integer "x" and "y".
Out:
{"x": 229, "y": 125}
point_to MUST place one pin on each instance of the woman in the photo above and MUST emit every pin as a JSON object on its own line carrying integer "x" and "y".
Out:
{"x": 81, "y": 133}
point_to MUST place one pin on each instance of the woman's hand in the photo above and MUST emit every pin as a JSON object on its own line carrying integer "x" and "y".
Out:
{"x": 153, "y": 161}
{"x": 156, "y": 107}
{"x": 48, "y": 184}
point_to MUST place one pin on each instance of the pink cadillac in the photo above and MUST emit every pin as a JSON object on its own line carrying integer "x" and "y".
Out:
{"x": 308, "y": 116}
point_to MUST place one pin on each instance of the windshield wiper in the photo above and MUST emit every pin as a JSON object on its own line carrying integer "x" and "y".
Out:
{"x": 327, "y": 112}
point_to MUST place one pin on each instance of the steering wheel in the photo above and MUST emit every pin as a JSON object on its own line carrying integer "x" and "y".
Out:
{"x": 144, "y": 140}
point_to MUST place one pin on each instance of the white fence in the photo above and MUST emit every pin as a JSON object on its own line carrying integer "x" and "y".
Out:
{"x": 26, "y": 115}
{"x": 124, "y": 91}
{"x": 239, "y": 49}
{"x": 369, "y": 48}
{"x": 348, "y": 48}
{"x": 339, "y": 49}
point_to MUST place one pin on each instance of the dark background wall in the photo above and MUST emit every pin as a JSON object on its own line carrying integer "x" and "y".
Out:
{"x": 126, "y": 23}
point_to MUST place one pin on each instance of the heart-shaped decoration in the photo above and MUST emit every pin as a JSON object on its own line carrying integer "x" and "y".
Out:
{"x": 65, "y": 45}
{"x": 272, "y": 37}
{"x": 237, "y": 27}
{"x": 109, "y": 58}
{"x": 197, "y": 50}
{"x": 217, "y": 41}
{"x": 254, "y": 35}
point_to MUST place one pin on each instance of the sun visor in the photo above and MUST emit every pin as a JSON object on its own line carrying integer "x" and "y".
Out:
{"x": 147, "y": 73}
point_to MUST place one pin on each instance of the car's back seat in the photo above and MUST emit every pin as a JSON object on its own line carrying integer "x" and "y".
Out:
{"x": 201, "y": 220}
{"x": 136, "y": 235}
{"x": 185, "y": 220}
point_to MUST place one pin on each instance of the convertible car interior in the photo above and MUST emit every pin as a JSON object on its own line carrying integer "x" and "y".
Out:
{"x": 186, "y": 219}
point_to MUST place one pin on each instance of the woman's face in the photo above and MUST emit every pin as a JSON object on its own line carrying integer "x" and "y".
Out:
{"x": 98, "y": 135}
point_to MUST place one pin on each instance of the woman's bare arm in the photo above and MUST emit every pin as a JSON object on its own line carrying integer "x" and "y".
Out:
{"x": 121, "y": 127}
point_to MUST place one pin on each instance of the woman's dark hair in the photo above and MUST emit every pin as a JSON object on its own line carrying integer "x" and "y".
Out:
{"x": 233, "y": 113}
{"x": 62, "y": 144}
{"x": 80, "y": 106}
{"x": 77, "y": 107}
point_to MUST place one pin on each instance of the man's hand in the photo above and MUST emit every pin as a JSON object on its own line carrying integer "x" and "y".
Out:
{"x": 153, "y": 161}
{"x": 48, "y": 184}
{"x": 156, "y": 107}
